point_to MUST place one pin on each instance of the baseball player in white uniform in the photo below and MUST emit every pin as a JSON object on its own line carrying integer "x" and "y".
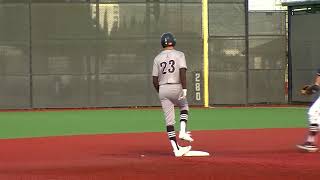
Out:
{"x": 169, "y": 80}
{"x": 313, "y": 116}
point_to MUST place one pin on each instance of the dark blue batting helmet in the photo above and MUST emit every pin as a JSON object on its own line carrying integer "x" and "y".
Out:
{"x": 168, "y": 39}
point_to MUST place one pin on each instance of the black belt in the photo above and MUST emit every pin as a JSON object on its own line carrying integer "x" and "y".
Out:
{"x": 169, "y": 83}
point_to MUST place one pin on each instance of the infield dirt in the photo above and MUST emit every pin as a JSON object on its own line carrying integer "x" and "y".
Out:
{"x": 235, "y": 154}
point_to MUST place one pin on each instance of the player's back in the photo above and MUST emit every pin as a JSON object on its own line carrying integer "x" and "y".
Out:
{"x": 167, "y": 65}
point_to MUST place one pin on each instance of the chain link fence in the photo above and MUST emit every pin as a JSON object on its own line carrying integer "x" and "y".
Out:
{"x": 304, "y": 49}
{"x": 99, "y": 53}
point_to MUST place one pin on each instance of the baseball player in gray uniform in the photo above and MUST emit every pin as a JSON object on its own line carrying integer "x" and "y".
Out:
{"x": 313, "y": 116}
{"x": 169, "y": 79}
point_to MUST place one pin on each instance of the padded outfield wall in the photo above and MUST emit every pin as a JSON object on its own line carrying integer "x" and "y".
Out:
{"x": 304, "y": 54}
{"x": 99, "y": 53}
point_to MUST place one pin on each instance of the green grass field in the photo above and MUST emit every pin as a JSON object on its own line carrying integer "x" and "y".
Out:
{"x": 76, "y": 122}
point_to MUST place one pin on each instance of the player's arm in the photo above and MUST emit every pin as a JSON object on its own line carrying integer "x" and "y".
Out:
{"x": 183, "y": 77}
{"x": 316, "y": 85}
{"x": 155, "y": 77}
{"x": 183, "y": 71}
{"x": 183, "y": 81}
{"x": 311, "y": 89}
{"x": 155, "y": 83}
{"x": 317, "y": 79}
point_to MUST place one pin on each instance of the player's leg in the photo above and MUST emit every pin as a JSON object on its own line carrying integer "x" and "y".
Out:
{"x": 314, "y": 121}
{"x": 184, "y": 114}
{"x": 168, "y": 110}
{"x": 183, "y": 121}
{"x": 314, "y": 118}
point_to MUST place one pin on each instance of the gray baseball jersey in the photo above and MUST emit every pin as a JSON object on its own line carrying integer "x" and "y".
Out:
{"x": 166, "y": 66}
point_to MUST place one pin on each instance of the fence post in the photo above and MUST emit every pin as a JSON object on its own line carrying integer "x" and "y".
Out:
{"x": 205, "y": 52}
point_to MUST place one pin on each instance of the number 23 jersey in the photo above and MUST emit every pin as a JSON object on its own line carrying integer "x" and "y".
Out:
{"x": 166, "y": 66}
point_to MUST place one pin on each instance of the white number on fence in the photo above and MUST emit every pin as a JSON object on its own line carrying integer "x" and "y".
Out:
{"x": 197, "y": 86}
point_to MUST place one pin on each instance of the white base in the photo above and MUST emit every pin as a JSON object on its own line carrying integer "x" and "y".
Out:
{"x": 311, "y": 150}
{"x": 197, "y": 153}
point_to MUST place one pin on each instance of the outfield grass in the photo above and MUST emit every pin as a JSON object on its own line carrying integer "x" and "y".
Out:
{"x": 58, "y": 123}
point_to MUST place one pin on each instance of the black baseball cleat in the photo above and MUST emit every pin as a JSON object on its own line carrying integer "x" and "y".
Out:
{"x": 308, "y": 146}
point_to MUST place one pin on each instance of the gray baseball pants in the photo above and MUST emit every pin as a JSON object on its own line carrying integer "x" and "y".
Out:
{"x": 169, "y": 97}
